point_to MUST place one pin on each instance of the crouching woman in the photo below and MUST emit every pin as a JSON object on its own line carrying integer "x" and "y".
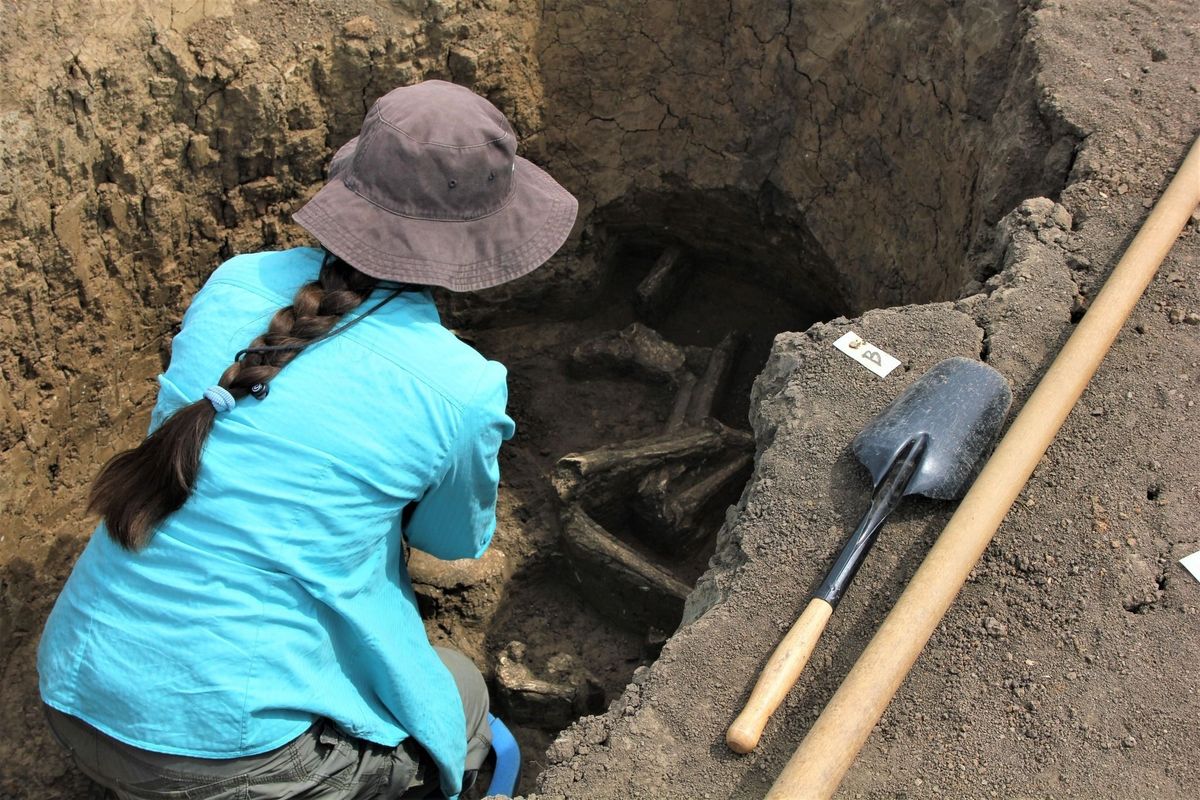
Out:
{"x": 241, "y": 624}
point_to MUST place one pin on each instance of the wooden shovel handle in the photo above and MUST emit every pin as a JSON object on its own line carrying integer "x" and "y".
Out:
{"x": 778, "y": 676}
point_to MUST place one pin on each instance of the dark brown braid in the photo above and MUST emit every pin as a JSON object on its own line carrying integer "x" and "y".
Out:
{"x": 138, "y": 488}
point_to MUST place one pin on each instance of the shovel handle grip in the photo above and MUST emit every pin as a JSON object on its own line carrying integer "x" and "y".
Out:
{"x": 778, "y": 676}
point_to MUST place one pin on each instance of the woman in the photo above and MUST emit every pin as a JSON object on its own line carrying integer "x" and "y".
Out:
{"x": 242, "y": 625}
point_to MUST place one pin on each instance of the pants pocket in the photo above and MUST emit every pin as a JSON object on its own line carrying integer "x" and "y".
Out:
{"x": 337, "y": 766}
{"x": 136, "y": 774}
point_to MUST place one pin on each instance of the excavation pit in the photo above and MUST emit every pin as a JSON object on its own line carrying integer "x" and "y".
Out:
{"x": 560, "y": 605}
{"x": 805, "y": 165}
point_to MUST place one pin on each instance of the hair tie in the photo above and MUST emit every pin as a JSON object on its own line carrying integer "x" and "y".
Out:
{"x": 220, "y": 398}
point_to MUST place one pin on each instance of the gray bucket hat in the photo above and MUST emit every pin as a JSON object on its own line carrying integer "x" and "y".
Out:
{"x": 432, "y": 191}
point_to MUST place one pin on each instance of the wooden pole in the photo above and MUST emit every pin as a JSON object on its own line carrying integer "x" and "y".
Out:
{"x": 819, "y": 764}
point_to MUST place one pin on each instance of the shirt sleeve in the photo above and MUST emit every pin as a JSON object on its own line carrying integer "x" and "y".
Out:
{"x": 457, "y": 516}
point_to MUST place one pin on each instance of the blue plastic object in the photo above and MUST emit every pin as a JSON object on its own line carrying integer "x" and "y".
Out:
{"x": 508, "y": 760}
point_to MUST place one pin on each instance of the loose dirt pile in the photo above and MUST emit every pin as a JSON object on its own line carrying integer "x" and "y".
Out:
{"x": 813, "y": 162}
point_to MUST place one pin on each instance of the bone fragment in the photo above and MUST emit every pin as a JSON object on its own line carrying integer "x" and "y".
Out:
{"x": 670, "y": 508}
{"x": 636, "y": 351}
{"x": 610, "y": 472}
{"x": 712, "y": 383}
{"x": 468, "y": 587}
{"x": 553, "y": 697}
{"x": 618, "y": 580}
{"x": 658, "y": 292}
{"x": 683, "y": 398}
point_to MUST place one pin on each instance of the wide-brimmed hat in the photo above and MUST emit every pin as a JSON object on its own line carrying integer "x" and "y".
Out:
{"x": 432, "y": 191}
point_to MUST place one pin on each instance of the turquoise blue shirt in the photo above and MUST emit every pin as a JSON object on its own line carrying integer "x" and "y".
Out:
{"x": 278, "y": 594}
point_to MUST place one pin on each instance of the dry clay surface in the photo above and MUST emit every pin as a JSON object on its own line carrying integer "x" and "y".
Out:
{"x": 143, "y": 142}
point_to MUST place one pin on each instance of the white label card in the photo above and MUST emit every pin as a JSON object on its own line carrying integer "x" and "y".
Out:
{"x": 867, "y": 354}
{"x": 1192, "y": 564}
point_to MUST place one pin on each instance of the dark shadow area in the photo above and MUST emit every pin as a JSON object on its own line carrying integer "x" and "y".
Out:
{"x": 27, "y": 594}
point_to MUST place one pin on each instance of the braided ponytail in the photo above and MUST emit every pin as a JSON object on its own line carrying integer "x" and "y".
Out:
{"x": 138, "y": 488}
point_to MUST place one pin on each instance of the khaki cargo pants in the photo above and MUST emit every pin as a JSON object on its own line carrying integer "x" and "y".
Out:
{"x": 323, "y": 763}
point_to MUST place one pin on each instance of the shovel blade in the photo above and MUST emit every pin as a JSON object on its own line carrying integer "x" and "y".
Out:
{"x": 960, "y": 405}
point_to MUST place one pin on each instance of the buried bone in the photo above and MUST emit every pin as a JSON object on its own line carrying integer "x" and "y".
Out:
{"x": 635, "y": 350}
{"x": 683, "y": 398}
{"x": 470, "y": 587}
{"x": 658, "y": 292}
{"x": 712, "y": 384}
{"x": 617, "y": 579}
{"x": 672, "y": 503}
{"x": 551, "y": 699}
{"x": 610, "y": 472}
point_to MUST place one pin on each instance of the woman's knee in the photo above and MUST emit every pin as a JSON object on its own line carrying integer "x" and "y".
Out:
{"x": 471, "y": 686}
{"x": 474, "y": 693}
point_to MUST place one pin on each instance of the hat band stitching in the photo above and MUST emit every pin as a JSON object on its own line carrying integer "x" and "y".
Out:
{"x": 512, "y": 191}
{"x": 408, "y": 135}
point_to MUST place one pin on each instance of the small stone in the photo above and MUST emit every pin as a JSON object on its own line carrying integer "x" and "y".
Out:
{"x": 1157, "y": 54}
{"x": 1129, "y": 741}
{"x": 239, "y": 51}
{"x": 1175, "y": 316}
{"x": 1191, "y": 318}
{"x": 360, "y": 28}
{"x": 560, "y": 751}
{"x": 1061, "y": 217}
{"x": 200, "y": 153}
{"x": 463, "y": 64}
{"x": 995, "y": 627}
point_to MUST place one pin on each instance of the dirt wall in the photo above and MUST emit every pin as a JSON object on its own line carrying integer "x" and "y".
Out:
{"x": 142, "y": 143}
{"x": 877, "y": 148}
{"x": 140, "y": 149}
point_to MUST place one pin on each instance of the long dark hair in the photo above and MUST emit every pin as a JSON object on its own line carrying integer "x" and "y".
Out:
{"x": 138, "y": 488}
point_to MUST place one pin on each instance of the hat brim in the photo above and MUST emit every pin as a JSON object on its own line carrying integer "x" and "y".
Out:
{"x": 460, "y": 255}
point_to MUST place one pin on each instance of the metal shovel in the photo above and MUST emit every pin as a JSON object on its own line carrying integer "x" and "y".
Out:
{"x": 931, "y": 441}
